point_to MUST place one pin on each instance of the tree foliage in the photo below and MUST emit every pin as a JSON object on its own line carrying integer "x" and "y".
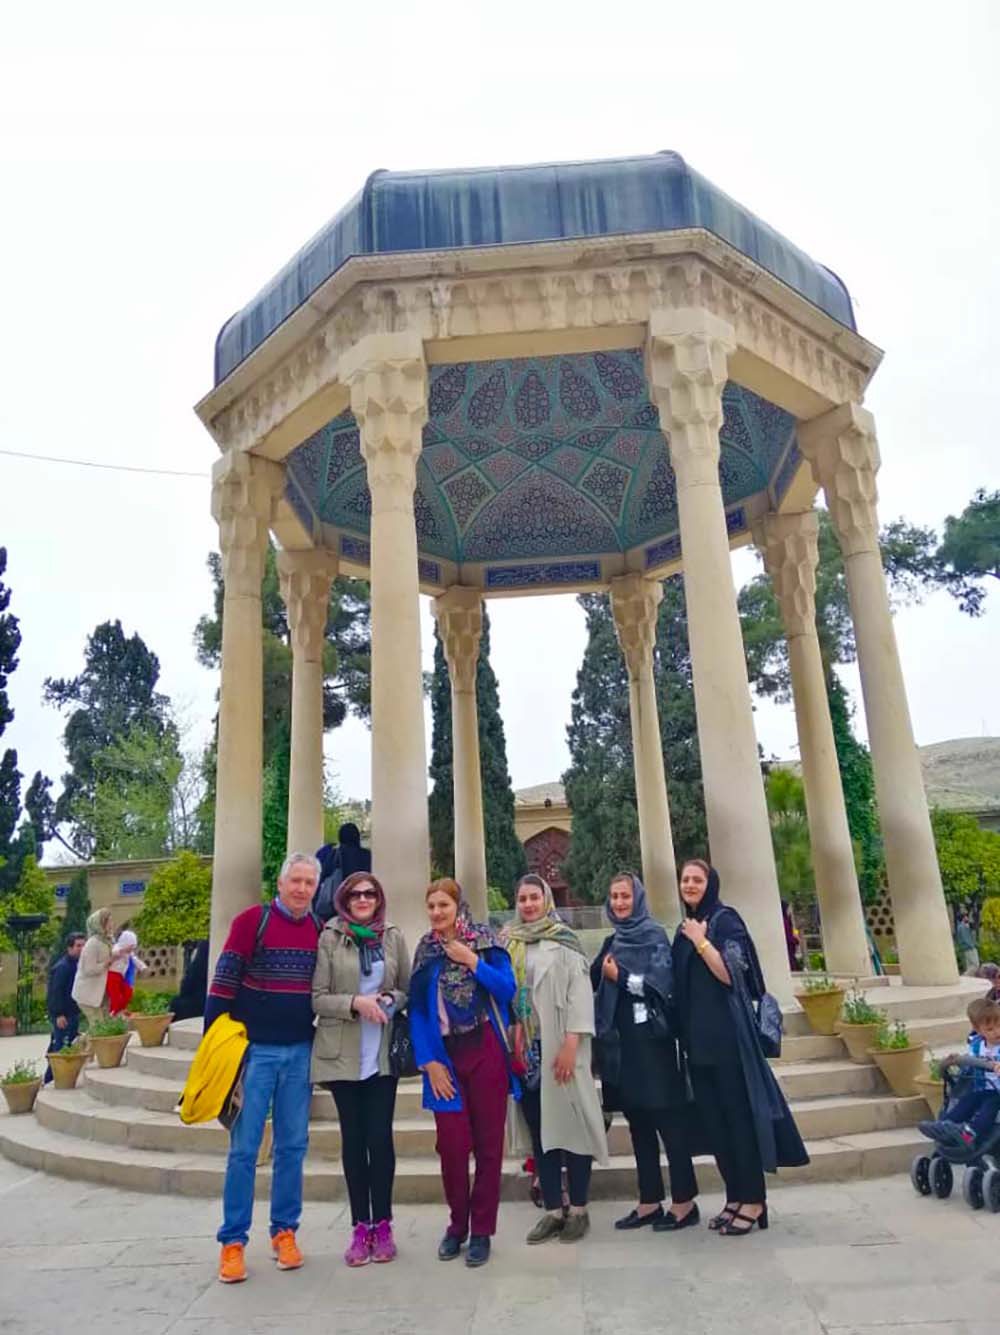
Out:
{"x": 33, "y": 893}
{"x": 77, "y": 907}
{"x": 970, "y": 549}
{"x": 177, "y": 903}
{"x": 274, "y": 844}
{"x": 786, "y": 806}
{"x": 135, "y": 779}
{"x": 857, "y": 779}
{"x": 505, "y": 860}
{"x": 969, "y": 858}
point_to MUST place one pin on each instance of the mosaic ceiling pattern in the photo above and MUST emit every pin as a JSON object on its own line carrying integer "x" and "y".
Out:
{"x": 542, "y": 457}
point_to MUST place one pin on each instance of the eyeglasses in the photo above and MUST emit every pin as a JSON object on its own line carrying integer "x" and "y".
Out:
{"x": 363, "y": 894}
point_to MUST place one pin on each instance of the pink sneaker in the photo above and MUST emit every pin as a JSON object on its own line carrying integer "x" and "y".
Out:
{"x": 383, "y": 1246}
{"x": 360, "y": 1250}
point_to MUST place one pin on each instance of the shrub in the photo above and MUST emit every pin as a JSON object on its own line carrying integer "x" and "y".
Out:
{"x": 819, "y": 983}
{"x": 150, "y": 1003}
{"x": 32, "y": 894}
{"x": 817, "y": 961}
{"x": 112, "y": 1026}
{"x": 21, "y": 1073}
{"x": 859, "y": 1010}
{"x": 77, "y": 1048}
{"x": 177, "y": 902}
{"x": 894, "y": 1036}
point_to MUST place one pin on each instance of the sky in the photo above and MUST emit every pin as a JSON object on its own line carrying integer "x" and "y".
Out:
{"x": 158, "y": 168}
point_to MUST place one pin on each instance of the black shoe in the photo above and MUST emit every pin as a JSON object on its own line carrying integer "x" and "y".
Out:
{"x": 670, "y": 1223}
{"x": 449, "y": 1248}
{"x": 479, "y": 1250}
{"x": 636, "y": 1220}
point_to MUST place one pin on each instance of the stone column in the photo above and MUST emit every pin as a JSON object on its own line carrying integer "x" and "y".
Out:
{"x": 843, "y": 450}
{"x": 244, "y": 489}
{"x": 305, "y": 586}
{"x": 686, "y": 366}
{"x": 634, "y": 603}
{"x": 789, "y": 547}
{"x": 387, "y": 376}
{"x": 459, "y": 614}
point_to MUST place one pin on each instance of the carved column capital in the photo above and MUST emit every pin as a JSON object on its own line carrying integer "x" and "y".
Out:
{"x": 842, "y": 448}
{"x": 244, "y": 491}
{"x": 305, "y": 579}
{"x": 459, "y": 615}
{"x": 687, "y": 365}
{"x": 635, "y": 602}
{"x": 387, "y": 375}
{"x": 789, "y": 545}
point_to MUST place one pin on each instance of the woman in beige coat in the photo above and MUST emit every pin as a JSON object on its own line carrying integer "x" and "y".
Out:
{"x": 361, "y": 980}
{"x": 554, "y": 1021}
{"x": 91, "y": 980}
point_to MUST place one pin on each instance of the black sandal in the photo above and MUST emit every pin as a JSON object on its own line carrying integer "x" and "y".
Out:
{"x": 723, "y": 1217}
{"x": 731, "y": 1231}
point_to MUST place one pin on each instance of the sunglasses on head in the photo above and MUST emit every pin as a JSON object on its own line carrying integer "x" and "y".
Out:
{"x": 363, "y": 894}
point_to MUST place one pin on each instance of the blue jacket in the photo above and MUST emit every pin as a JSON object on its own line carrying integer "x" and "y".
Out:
{"x": 497, "y": 977}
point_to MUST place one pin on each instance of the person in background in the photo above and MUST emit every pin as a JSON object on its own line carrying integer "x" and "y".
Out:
{"x": 792, "y": 941}
{"x": 122, "y": 972}
{"x": 991, "y": 974}
{"x": 263, "y": 977}
{"x": 63, "y": 1012}
{"x": 361, "y": 979}
{"x": 337, "y": 862}
{"x": 99, "y": 952}
{"x": 189, "y": 1003}
{"x": 965, "y": 940}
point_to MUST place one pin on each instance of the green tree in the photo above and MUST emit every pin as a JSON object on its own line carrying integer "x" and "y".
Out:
{"x": 40, "y": 810}
{"x": 135, "y": 780}
{"x": 17, "y": 839}
{"x": 177, "y": 903}
{"x": 274, "y": 847}
{"x": 857, "y": 779}
{"x": 969, "y": 858}
{"x": 786, "y": 805}
{"x": 77, "y": 907}
{"x": 505, "y": 860}
{"x": 10, "y": 642}
{"x": 970, "y": 549}
{"x": 33, "y": 893}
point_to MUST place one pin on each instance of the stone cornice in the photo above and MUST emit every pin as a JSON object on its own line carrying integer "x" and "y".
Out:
{"x": 569, "y": 295}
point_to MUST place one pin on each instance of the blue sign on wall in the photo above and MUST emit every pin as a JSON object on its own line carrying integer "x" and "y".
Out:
{"x": 131, "y": 887}
{"x": 61, "y": 891}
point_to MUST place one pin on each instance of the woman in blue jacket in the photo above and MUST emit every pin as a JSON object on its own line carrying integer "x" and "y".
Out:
{"x": 460, "y": 990}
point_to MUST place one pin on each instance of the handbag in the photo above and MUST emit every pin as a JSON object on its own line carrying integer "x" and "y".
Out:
{"x": 402, "y": 1062}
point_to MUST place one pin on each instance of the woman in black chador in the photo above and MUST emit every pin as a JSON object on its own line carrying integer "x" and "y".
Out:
{"x": 717, "y": 978}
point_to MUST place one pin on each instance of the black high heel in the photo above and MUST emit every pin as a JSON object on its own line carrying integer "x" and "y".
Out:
{"x": 731, "y": 1231}
{"x": 723, "y": 1217}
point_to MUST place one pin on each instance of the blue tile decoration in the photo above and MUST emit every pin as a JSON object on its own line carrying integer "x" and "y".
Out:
{"x": 428, "y": 572}
{"x": 542, "y": 458}
{"x": 131, "y": 887}
{"x": 787, "y": 471}
{"x": 660, "y": 552}
{"x": 558, "y": 572}
{"x": 61, "y": 891}
{"x": 736, "y": 521}
{"x": 355, "y": 549}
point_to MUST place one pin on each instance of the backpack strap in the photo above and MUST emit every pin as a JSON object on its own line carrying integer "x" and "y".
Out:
{"x": 265, "y": 917}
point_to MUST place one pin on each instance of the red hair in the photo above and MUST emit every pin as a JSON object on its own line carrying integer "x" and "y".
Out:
{"x": 445, "y": 885}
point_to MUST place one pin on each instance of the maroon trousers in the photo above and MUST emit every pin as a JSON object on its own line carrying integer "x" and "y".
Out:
{"x": 481, "y": 1072}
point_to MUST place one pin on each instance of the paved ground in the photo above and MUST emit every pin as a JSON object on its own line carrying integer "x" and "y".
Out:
{"x": 849, "y": 1260}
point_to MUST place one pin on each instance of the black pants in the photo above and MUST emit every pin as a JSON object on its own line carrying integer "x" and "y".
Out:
{"x": 724, "y": 1110}
{"x": 979, "y": 1108}
{"x": 61, "y": 1038}
{"x": 647, "y": 1127}
{"x": 549, "y": 1164}
{"x": 365, "y": 1109}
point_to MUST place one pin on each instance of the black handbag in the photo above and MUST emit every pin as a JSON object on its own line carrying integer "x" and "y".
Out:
{"x": 402, "y": 1062}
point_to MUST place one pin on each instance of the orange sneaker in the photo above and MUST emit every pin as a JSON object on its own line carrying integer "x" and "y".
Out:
{"x": 286, "y": 1251}
{"x": 232, "y": 1267}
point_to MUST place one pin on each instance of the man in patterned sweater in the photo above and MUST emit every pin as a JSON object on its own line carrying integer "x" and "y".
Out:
{"x": 264, "y": 978}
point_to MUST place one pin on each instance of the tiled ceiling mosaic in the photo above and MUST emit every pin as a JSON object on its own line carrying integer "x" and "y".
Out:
{"x": 542, "y": 457}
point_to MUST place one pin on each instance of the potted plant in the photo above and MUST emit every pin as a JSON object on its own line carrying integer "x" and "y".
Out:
{"x": 8, "y": 1021}
{"x": 821, "y": 999}
{"x": 930, "y": 1084}
{"x": 859, "y": 1024}
{"x": 890, "y": 961}
{"x": 68, "y": 1062}
{"x": 108, "y": 1040}
{"x": 20, "y": 1086}
{"x": 150, "y": 1017}
{"x": 899, "y": 1060}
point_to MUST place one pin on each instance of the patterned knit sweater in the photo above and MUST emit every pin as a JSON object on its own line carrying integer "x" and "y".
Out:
{"x": 271, "y": 992}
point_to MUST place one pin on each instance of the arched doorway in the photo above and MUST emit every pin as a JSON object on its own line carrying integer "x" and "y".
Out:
{"x": 546, "y": 853}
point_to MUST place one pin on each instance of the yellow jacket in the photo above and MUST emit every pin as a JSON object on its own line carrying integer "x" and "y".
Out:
{"x": 214, "y": 1072}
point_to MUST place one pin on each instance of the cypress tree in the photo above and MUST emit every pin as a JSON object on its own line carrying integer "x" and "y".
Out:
{"x": 77, "y": 907}
{"x": 505, "y": 860}
{"x": 858, "y": 781}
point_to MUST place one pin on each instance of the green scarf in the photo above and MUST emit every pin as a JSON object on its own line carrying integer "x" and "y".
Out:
{"x": 518, "y": 935}
{"x": 361, "y": 933}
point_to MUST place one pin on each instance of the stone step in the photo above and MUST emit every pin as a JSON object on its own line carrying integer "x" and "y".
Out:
{"x": 76, "y": 1113}
{"x": 25, "y": 1141}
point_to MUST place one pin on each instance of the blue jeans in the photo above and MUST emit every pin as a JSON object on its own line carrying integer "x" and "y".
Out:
{"x": 276, "y": 1078}
{"x": 62, "y": 1038}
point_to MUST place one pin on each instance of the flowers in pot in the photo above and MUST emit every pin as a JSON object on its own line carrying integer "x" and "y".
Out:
{"x": 821, "y": 999}
{"x": 108, "y": 1040}
{"x": 899, "y": 1060}
{"x": 68, "y": 1062}
{"x": 20, "y": 1086}
{"x": 8, "y": 1021}
{"x": 930, "y": 1084}
{"x": 150, "y": 1017}
{"x": 859, "y": 1025}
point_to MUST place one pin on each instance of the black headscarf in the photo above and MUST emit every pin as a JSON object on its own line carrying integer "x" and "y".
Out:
{"x": 639, "y": 945}
{"x": 724, "y": 925}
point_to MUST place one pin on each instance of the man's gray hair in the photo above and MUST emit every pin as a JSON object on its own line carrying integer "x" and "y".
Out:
{"x": 294, "y": 859}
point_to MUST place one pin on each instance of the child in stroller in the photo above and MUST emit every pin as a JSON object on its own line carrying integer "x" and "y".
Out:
{"x": 967, "y": 1131}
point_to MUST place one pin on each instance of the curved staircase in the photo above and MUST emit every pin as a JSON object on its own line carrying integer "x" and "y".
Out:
{"x": 118, "y": 1127}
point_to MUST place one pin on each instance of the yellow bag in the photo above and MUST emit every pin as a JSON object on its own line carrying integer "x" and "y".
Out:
{"x": 214, "y": 1072}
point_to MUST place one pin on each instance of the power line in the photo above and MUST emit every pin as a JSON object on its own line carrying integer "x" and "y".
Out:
{"x": 92, "y": 463}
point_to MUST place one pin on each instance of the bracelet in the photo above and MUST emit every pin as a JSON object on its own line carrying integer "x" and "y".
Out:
{"x": 702, "y": 945}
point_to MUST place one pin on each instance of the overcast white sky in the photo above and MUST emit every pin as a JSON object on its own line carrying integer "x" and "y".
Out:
{"x": 157, "y": 169}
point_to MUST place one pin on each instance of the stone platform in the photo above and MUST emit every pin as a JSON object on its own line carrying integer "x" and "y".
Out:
{"x": 119, "y": 1127}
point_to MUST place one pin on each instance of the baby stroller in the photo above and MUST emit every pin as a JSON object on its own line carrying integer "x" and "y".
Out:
{"x": 933, "y": 1174}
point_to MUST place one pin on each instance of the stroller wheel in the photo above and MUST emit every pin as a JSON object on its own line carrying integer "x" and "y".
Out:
{"x": 920, "y": 1175}
{"x": 991, "y": 1190}
{"x": 942, "y": 1178}
{"x": 972, "y": 1188}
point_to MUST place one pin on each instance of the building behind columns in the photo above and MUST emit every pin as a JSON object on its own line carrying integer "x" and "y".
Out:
{"x": 561, "y": 378}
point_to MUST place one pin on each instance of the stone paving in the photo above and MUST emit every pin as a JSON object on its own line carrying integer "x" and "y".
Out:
{"x": 850, "y": 1259}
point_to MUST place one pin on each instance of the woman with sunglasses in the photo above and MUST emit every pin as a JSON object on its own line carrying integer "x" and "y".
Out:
{"x": 362, "y": 978}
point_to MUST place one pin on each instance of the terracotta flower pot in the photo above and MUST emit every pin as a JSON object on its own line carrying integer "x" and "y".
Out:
{"x": 8, "y": 1026}
{"x": 900, "y": 1066}
{"x": 152, "y": 1029}
{"x": 822, "y": 1009}
{"x": 66, "y": 1070}
{"x": 858, "y": 1039}
{"x": 21, "y": 1097}
{"x": 932, "y": 1091}
{"x": 109, "y": 1051}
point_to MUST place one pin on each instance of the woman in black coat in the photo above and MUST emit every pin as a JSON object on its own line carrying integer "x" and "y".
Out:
{"x": 717, "y": 979}
{"x": 637, "y": 1055}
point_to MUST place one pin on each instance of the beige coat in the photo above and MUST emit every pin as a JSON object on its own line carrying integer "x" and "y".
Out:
{"x": 563, "y": 1002}
{"x": 336, "y": 1053}
{"x": 91, "y": 979}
